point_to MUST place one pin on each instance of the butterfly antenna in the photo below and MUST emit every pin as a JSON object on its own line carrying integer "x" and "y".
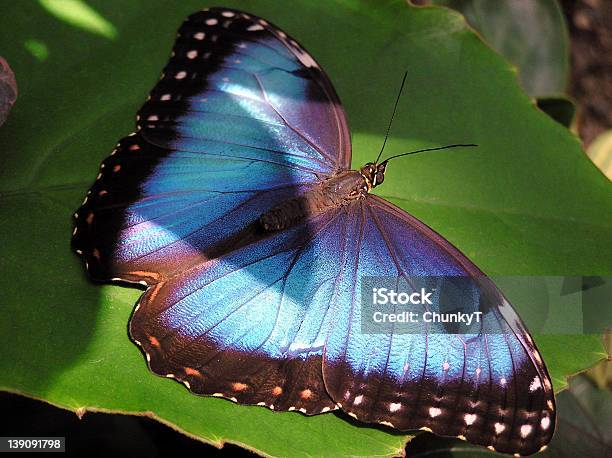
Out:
{"x": 392, "y": 116}
{"x": 429, "y": 149}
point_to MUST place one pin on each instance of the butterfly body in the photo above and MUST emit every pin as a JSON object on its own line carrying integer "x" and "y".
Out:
{"x": 337, "y": 191}
{"x": 235, "y": 205}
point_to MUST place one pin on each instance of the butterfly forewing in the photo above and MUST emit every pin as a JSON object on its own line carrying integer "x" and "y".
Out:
{"x": 241, "y": 119}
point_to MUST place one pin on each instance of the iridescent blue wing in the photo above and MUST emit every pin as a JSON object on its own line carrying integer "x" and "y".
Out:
{"x": 489, "y": 386}
{"x": 241, "y": 120}
{"x": 250, "y": 324}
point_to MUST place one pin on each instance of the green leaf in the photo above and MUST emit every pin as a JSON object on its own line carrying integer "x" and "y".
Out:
{"x": 532, "y": 35}
{"x": 525, "y": 202}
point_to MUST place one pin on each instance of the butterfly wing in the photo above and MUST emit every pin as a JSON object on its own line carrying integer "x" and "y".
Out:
{"x": 242, "y": 119}
{"x": 250, "y": 325}
{"x": 489, "y": 387}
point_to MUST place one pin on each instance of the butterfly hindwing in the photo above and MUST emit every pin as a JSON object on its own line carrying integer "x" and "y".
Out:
{"x": 250, "y": 325}
{"x": 489, "y": 387}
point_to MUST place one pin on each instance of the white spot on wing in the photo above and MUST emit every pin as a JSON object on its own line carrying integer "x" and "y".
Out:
{"x": 192, "y": 54}
{"x": 212, "y": 21}
{"x": 305, "y": 58}
{"x": 395, "y": 406}
{"x": 228, "y": 14}
{"x": 535, "y": 384}
{"x": 199, "y": 35}
{"x": 180, "y": 75}
{"x": 469, "y": 418}
{"x": 545, "y": 423}
{"x": 434, "y": 412}
{"x": 499, "y": 428}
{"x": 254, "y": 28}
{"x": 358, "y": 400}
{"x": 525, "y": 430}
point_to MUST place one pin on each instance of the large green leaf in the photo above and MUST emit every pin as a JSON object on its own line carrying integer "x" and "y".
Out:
{"x": 531, "y": 35}
{"x": 525, "y": 202}
{"x": 534, "y": 37}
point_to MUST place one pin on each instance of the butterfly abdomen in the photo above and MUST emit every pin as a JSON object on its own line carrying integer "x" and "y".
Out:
{"x": 334, "y": 192}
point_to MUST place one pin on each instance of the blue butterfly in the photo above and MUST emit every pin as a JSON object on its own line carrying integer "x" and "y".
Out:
{"x": 235, "y": 205}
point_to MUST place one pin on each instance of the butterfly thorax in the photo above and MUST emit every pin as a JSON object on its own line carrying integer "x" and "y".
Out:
{"x": 336, "y": 191}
